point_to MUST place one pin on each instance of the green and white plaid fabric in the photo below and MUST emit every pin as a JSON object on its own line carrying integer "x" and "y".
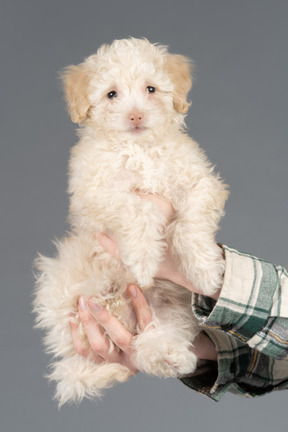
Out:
{"x": 249, "y": 326}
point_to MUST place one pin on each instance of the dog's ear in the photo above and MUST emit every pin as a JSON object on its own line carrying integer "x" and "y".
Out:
{"x": 179, "y": 69}
{"x": 76, "y": 84}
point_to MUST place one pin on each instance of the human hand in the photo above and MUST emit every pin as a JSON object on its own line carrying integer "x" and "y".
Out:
{"x": 97, "y": 347}
{"x": 97, "y": 321}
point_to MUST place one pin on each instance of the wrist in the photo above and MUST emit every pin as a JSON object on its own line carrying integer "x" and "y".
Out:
{"x": 216, "y": 295}
{"x": 204, "y": 348}
{"x": 180, "y": 279}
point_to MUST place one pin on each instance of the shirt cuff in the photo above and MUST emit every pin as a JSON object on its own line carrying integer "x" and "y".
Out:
{"x": 246, "y": 298}
{"x": 214, "y": 379}
{"x": 232, "y": 323}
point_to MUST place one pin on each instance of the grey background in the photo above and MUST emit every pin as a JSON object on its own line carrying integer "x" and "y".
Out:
{"x": 239, "y": 115}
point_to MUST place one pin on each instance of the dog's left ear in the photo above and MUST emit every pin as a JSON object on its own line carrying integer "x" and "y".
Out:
{"x": 179, "y": 69}
{"x": 76, "y": 81}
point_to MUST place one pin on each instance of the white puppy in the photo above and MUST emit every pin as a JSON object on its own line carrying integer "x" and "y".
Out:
{"x": 130, "y": 100}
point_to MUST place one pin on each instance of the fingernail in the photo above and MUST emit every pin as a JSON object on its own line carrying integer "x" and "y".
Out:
{"x": 94, "y": 306}
{"x": 132, "y": 291}
{"x": 82, "y": 303}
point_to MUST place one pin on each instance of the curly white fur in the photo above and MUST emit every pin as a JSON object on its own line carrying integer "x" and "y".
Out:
{"x": 130, "y": 100}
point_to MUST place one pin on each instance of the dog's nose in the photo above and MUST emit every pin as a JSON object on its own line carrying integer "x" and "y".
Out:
{"x": 136, "y": 118}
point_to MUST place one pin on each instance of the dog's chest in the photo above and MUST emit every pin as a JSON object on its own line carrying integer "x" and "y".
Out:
{"x": 144, "y": 168}
{"x": 150, "y": 170}
{"x": 164, "y": 170}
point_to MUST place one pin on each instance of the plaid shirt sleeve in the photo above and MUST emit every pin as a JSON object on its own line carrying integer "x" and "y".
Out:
{"x": 249, "y": 327}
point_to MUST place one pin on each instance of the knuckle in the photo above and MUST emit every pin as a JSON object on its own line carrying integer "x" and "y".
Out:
{"x": 99, "y": 347}
{"x": 103, "y": 317}
{"x": 144, "y": 322}
{"x": 121, "y": 341}
{"x": 81, "y": 350}
{"x": 85, "y": 317}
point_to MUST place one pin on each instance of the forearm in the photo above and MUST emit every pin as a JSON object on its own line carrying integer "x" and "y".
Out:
{"x": 249, "y": 329}
{"x": 252, "y": 306}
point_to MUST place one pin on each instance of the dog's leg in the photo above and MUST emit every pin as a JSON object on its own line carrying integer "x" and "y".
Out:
{"x": 164, "y": 347}
{"x": 79, "y": 269}
{"x": 160, "y": 351}
{"x": 140, "y": 238}
{"x": 77, "y": 377}
{"x": 198, "y": 256}
{"x": 191, "y": 237}
{"x": 137, "y": 226}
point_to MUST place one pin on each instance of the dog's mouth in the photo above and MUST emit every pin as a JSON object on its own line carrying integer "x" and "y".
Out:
{"x": 137, "y": 129}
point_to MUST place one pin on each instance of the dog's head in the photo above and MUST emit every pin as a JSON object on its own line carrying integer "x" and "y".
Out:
{"x": 130, "y": 87}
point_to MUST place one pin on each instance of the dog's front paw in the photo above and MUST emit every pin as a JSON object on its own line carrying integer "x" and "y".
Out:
{"x": 204, "y": 267}
{"x": 143, "y": 267}
{"x": 208, "y": 277}
{"x": 143, "y": 260}
{"x": 144, "y": 274}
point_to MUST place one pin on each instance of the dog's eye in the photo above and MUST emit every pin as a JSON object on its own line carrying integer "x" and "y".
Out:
{"x": 112, "y": 94}
{"x": 151, "y": 89}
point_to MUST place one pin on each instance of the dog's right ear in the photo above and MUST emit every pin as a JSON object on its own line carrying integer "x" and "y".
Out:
{"x": 76, "y": 81}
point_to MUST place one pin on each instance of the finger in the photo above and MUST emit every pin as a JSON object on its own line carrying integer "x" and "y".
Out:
{"x": 116, "y": 331}
{"x": 109, "y": 244}
{"x": 82, "y": 346}
{"x": 141, "y": 307}
{"x": 98, "y": 343}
